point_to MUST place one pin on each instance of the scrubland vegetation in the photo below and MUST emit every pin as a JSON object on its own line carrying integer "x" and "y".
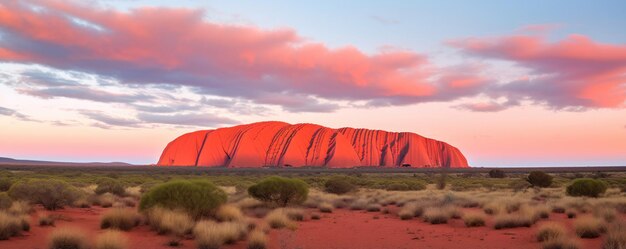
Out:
{"x": 222, "y": 209}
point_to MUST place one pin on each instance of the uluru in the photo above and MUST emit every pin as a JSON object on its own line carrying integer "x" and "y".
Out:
{"x": 279, "y": 144}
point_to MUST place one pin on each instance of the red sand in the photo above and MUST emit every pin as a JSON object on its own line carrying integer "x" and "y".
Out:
{"x": 341, "y": 229}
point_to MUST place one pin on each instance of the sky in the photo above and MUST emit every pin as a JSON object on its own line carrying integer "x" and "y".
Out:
{"x": 509, "y": 83}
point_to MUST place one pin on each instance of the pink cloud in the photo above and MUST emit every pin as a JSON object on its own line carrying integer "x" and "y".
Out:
{"x": 576, "y": 72}
{"x": 177, "y": 46}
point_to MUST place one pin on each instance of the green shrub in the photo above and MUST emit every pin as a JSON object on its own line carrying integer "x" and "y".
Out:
{"x": 280, "y": 191}
{"x": 405, "y": 185}
{"x": 197, "y": 197}
{"x": 5, "y": 201}
{"x": 5, "y": 184}
{"x": 586, "y": 187}
{"x": 110, "y": 185}
{"x": 539, "y": 179}
{"x": 496, "y": 173}
{"x": 52, "y": 194}
{"x": 338, "y": 185}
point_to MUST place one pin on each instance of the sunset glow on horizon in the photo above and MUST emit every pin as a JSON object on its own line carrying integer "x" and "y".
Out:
{"x": 509, "y": 84}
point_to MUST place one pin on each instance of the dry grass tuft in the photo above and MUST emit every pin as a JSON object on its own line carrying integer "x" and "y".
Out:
{"x": 615, "y": 237}
{"x": 494, "y": 208}
{"x": 67, "y": 237}
{"x": 326, "y": 207}
{"x": 229, "y": 212}
{"x": 607, "y": 213}
{"x": 315, "y": 216}
{"x": 358, "y": 204}
{"x": 550, "y": 231}
{"x": 106, "y": 200}
{"x": 120, "y": 218}
{"x": 589, "y": 227}
{"x": 436, "y": 215}
{"x": 410, "y": 210}
{"x": 523, "y": 218}
{"x": 82, "y": 203}
{"x": 166, "y": 221}
{"x": 560, "y": 243}
{"x": 12, "y": 225}
{"x": 278, "y": 219}
{"x": 296, "y": 214}
{"x": 257, "y": 240}
{"x": 211, "y": 235}
{"x": 111, "y": 239}
{"x": 20, "y": 208}
{"x": 373, "y": 207}
{"x": 474, "y": 219}
{"x": 46, "y": 220}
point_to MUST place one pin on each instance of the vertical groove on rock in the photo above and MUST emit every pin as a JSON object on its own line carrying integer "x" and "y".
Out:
{"x": 277, "y": 144}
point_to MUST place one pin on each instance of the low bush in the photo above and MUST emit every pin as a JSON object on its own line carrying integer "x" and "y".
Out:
{"x": 550, "y": 231}
{"x": 257, "y": 240}
{"x": 67, "y": 238}
{"x": 5, "y": 201}
{"x": 120, "y": 218}
{"x": 586, "y": 187}
{"x": 539, "y": 179}
{"x": 197, "y": 197}
{"x": 280, "y": 191}
{"x": 474, "y": 219}
{"x": 110, "y": 185}
{"x": 52, "y": 194}
{"x": 589, "y": 227}
{"x": 111, "y": 239}
{"x": 229, "y": 213}
{"x": 5, "y": 184}
{"x": 338, "y": 185}
{"x": 496, "y": 173}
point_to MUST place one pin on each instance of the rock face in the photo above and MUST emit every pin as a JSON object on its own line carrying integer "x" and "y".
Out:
{"x": 278, "y": 144}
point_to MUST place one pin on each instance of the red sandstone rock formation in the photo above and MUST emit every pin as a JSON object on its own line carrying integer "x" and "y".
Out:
{"x": 278, "y": 144}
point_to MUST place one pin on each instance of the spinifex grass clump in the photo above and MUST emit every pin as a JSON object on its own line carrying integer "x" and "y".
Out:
{"x": 550, "y": 231}
{"x": 120, "y": 218}
{"x": 111, "y": 239}
{"x": 436, "y": 215}
{"x": 474, "y": 219}
{"x": 12, "y": 225}
{"x": 589, "y": 227}
{"x": 67, "y": 238}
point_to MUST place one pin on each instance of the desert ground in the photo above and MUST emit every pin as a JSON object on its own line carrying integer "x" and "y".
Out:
{"x": 70, "y": 207}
